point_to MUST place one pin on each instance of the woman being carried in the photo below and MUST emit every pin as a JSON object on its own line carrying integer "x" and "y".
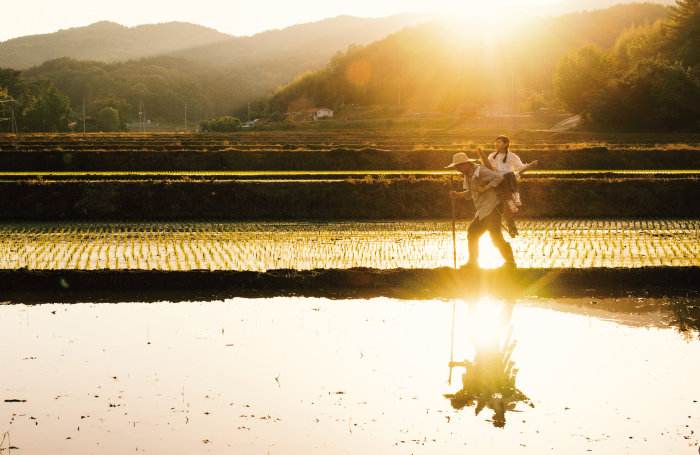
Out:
{"x": 507, "y": 164}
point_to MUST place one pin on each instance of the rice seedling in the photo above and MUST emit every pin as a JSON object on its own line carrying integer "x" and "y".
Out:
{"x": 262, "y": 246}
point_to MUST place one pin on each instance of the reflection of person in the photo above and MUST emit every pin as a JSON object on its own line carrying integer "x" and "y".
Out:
{"x": 489, "y": 380}
{"x": 480, "y": 185}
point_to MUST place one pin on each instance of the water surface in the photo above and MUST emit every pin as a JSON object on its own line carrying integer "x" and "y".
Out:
{"x": 307, "y": 375}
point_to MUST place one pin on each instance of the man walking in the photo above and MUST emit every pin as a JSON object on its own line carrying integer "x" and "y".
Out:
{"x": 480, "y": 185}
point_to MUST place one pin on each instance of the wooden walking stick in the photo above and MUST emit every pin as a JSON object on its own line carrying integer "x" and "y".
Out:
{"x": 454, "y": 304}
{"x": 454, "y": 230}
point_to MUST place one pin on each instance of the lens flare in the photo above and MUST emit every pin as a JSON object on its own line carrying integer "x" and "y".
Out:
{"x": 359, "y": 72}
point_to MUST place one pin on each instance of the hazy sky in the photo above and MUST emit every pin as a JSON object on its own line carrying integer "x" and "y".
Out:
{"x": 236, "y": 17}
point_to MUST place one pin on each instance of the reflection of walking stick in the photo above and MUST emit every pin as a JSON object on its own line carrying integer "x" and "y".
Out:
{"x": 454, "y": 235}
{"x": 452, "y": 342}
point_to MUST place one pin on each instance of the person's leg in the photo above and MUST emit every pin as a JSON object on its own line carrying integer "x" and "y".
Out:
{"x": 493, "y": 225}
{"x": 476, "y": 229}
{"x": 512, "y": 182}
{"x": 507, "y": 202}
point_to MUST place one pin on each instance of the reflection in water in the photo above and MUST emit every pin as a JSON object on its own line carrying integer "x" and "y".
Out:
{"x": 242, "y": 376}
{"x": 686, "y": 317}
{"x": 489, "y": 380}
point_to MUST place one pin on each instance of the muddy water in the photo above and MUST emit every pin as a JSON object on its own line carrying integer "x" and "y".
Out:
{"x": 299, "y": 376}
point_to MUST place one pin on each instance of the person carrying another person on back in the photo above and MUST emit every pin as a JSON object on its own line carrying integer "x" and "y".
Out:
{"x": 507, "y": 164}
{"x": 480, "y": 185}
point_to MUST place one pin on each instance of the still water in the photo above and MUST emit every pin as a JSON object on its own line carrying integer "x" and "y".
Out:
{"x": 304, "y": 375}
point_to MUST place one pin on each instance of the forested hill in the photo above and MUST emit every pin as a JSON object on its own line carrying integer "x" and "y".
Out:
{"x": 442, "y": 66}
{"x": 107, "y": 42}
{"x": 313, "y": 42}
{"x": 307, "y": 45}
{"x": 163, "y": 84}
{"x": 572, "y": 6}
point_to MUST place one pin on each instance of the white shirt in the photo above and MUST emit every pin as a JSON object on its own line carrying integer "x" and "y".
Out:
{"x": 512, "y": 164}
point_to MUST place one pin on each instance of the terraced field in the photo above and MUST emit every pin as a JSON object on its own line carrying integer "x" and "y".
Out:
{"x": 334, "y": 150}
{"x": 263, "y": 246}
{"x": 326, "y": 140}
{"x": 327, "y": 175}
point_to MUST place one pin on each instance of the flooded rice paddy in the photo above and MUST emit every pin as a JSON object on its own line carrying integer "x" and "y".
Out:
{"x": 263, "y": 246}
{"x": 312, "y": 375}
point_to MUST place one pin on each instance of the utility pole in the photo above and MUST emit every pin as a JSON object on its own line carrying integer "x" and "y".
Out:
{"x": 140, "y": 116}
{"x": 185, "y": 117}
{"x": 83, "y": 115}
{"x": 12, "y": 115}
{"x": 249, "y": 111}
{"x": 399, "y": 93}
{"x": 13, "y": 123}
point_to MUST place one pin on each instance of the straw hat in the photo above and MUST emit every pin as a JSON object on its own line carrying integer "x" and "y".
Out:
{"x": 460, "y": 158}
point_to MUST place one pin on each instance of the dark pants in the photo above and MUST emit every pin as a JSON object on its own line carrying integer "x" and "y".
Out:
{"x": 505, "y": 190}
{"x": 491, "y": 223}
{"x": 509, "y": 183}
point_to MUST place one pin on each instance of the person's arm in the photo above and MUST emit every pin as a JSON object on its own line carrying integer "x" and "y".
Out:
{"x": 488, "y": 179}
{"x": 525, "y": 168}
{"x": 516, "y": 164}
{"x": 466, "y": 194}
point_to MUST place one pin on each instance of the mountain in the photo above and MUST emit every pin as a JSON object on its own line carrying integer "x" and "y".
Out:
{"x": 106, "y": 42}
{"x": 573, "y": 6}
{"x": 314, "y": 41}
{"x": 445, "y": 65}
{"x": 303, "y": 46}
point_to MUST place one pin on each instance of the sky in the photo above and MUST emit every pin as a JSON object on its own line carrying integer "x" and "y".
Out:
{"x": 235, "y": 17}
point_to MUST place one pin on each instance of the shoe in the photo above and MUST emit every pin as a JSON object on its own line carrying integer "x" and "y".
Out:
{"x": 512, "y": 231}
{"x": 516, "y": 198}
{"x": 469, "y": 266}
{"x": 512, "y": 207}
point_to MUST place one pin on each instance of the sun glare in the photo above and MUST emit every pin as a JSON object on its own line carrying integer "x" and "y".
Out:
{"x": 486, "y": 322}
{"x": 489, "y": 22}
{"x": 489, "y": 256}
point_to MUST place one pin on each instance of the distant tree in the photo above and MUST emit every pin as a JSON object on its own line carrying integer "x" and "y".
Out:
{"x": 13, "y": 83}
{"x": 654, "y": 96}
{"x": 581, "y": 74}
{"x": 225, "y": 123}
{"x": 276, "y": 116}
{"x": 203, "y": 126}
{"x": 533, "y": 103}
{"x": 638, "y": 43}
{"x": 684, "y": 33}
{"x": 48, "y": 112}
{"x": 124, "y": 111}
{"x": 107, "y": 119}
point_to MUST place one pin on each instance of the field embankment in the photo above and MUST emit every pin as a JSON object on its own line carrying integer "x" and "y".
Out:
{"x": 367, "y": 198}
{"x": 333, "y": 150}
{"x": 359, "y": 282}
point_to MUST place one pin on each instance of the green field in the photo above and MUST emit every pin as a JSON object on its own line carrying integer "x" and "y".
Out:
{"x": 561, "y": 243}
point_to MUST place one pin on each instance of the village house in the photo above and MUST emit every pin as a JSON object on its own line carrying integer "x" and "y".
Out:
{"x": 320, "y": 112}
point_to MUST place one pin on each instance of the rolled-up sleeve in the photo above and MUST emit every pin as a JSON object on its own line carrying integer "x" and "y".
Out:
{"x": 516, "y": 162}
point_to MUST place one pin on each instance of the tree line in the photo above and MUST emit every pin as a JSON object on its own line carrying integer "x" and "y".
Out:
{"x": 50, "y": 97}
{"x": 448, "y": 67}
{"x": 648, "y": 81}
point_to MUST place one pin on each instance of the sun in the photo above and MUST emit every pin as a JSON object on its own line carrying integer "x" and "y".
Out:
{"x": 491, "y": 22}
